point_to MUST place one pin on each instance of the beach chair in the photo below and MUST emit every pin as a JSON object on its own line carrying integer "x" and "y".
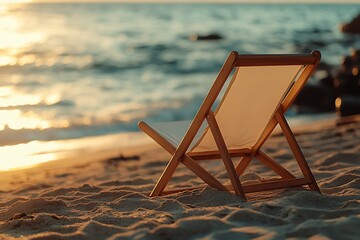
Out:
{"x": 261, "y": 89}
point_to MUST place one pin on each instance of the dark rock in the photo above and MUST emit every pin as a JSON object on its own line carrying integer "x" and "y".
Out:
{"x": 352, "y": 27}
{"x": 347, "y": 63}
{"x": 347, "y": 79}
{"x": 328, "y": 81}
{"x": 315, "y": 98}
{"x": 209, "y": 37}
{"x": 348, "y": 83}
{"x": 324, "y": 66}
{"x": 339, "y": 90}
{"x": 318, "y": 43}
{"x": 348, "y": 105}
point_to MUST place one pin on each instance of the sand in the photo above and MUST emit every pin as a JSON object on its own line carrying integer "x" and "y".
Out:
{"x": 97, "y": 195}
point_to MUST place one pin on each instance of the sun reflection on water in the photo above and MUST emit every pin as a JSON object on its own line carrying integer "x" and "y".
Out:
{"x": 13, "y": 37}
{"x": 11, "y": 98}
{"x": 17, "y": 119}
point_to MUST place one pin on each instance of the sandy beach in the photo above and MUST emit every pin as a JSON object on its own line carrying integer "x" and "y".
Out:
{"x": 76, "y": 78}
{"x": 100, "y": 195}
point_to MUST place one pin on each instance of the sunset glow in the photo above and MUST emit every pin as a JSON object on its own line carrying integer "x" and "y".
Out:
{"x": 183, "y": 1}
{"x": 108, "y": 109}
{"x": 17, "y": 1}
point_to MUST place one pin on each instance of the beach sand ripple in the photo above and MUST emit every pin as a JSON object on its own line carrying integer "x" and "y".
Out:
{"x": 99, "y": 201}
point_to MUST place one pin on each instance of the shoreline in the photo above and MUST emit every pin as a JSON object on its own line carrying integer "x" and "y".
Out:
{"x": 30, "y": 154}
{"x": 57, "y": 150}
{"x": 42, "y": 153}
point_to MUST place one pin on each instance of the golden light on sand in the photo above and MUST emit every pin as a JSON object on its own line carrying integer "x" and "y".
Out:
{"x": 23, "y": 155}
{"x": 27, "y": 155}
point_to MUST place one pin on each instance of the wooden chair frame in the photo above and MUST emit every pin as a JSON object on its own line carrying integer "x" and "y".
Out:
{"x": 179, "y": 154}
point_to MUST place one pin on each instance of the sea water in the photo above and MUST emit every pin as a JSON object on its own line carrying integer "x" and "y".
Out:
{"x": 80, "y": 70}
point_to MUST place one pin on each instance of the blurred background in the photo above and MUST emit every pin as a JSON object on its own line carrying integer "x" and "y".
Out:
{"x": 76, "y": 70}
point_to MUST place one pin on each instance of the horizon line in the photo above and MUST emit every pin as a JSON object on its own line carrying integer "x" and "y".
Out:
{"x": 189, "y": 1}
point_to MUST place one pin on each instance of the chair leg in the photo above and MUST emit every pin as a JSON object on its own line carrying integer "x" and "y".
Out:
{"x": 165, "y": 177}
{"x": 235, "y": 181}
{"x": 170, "y": 169}
{"x": 305, "y": 169}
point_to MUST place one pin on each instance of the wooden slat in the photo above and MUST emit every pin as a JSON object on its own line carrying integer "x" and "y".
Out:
{"x": 275, "y": 59}
{"x": 243, "y": 164}
{"x": 187, "y": 161}
{"x": 225, "y": 155}
{"x": 211, "y": 155}
{"x": 172, "y": 164}
{"x": 256, "y": 187}
{"x": 271, "y": 185}
{"x": 276, "y": 167}
{"x": 156, "y": 137}
{"x": 203, "y": 174}
{"x": 165, "y": 177}
{"x": 294, "y": 146}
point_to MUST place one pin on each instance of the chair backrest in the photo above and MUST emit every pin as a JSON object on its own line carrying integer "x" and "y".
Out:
{"x": 260, "y": 85}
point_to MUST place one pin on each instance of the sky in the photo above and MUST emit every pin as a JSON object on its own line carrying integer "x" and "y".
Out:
{"x": 235, "y": 1}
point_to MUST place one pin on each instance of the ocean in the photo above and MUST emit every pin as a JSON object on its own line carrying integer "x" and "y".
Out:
{"x": 71, "y": 71}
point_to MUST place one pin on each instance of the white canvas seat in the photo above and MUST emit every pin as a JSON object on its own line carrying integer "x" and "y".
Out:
{"x": 261, "y": 90}
{"x": 241, "y": 129}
